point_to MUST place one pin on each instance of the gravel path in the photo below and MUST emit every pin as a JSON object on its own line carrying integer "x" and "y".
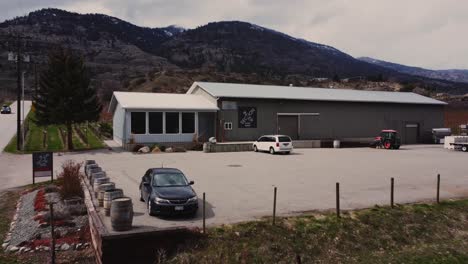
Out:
{"x": 25, "y": 227}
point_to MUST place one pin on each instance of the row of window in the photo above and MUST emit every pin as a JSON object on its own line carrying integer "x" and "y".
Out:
{"x": 156, "y": 126}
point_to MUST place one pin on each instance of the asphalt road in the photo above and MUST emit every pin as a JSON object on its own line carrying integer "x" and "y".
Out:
{"x": 8, "y": 124}
{"x": 239, "y": 186}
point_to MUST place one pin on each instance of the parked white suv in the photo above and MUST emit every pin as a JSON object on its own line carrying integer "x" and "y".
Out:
{"x": 273, "y": 144}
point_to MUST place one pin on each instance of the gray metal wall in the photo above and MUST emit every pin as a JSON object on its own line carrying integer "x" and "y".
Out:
{"x": 336, "y": 120}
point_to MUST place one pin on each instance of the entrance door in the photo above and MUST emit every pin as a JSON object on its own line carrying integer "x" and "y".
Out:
{"x": 411, "y": 133}
{"x": 289, "y": 126}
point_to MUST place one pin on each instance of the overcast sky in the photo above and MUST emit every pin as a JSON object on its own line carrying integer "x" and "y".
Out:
{"x": 426, "y": 33}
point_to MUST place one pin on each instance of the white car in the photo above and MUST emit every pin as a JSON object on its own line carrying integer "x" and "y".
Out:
{"x": 273, "y": 144}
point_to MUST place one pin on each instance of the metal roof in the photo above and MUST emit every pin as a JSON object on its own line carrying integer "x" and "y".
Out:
{"x": 161, "y": 101}
{"x": 231, "y": 90}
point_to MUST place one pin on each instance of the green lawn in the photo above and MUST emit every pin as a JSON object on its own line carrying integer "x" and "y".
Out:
{"x": 418, "y": 233}
{"x": 53, "y": 138}
{"x": 34, "y": 139}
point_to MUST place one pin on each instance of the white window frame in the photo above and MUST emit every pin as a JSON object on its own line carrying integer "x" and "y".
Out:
{"x": 227, "y": 125}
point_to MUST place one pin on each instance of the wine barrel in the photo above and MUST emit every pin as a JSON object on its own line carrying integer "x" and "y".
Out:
{"x": 110, "y": 195}
{"x": 101, "y": 189}
{"x": 93, "y": 170}
{"x": 87, "y": 162}
{"x": 95, "y": 175}
{"x": 121, "y": 214}
{"x": 99, "y": 181}
{"x": 89, "y": 167}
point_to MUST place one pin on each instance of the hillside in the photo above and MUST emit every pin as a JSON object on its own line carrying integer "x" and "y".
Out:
{"x": 123, "y": 56}
{"x": 454, "y": 75}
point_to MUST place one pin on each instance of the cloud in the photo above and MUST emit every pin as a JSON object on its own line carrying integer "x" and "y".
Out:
{"x": 427, "y": 33}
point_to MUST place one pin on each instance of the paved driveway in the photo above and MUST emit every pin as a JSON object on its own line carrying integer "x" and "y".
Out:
{"x": 239, "y": 186}
{"x": 8, "y": 124}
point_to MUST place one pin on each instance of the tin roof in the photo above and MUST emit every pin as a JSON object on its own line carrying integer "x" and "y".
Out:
{"x": 161, "y": 101}
{"x": 231, "y": 90}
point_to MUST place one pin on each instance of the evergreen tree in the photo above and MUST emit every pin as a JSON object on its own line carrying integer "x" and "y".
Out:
{"x": 65, "y": 95}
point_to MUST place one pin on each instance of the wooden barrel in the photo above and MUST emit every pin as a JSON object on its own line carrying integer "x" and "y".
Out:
{"x": 87, "y": 162}
{"x": 101, "y": 189}
{"x": 110, "y": 195}
{"x": 99, "y": 181}
{"x": 121, "y": 214}
{"x": 95, "y": 175}
{"x": 93, "y": 170}
{"x": 88, "y": 167}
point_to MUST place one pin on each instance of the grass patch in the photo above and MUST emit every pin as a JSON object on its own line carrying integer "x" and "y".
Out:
{"x": 53, "y": 138}
{"x": 405, "y": 234}
{"x": 34, "y": 139}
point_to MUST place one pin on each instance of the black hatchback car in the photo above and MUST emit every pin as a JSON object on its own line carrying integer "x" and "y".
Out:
{"x": 6, "y": 109}
{"x": 167, "y": 192}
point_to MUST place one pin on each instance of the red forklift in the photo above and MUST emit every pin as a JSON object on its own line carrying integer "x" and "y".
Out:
{"x": 387, "y": 139}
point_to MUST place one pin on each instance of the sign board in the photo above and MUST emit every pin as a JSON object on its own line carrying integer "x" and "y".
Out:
{"x": 247, "y": 117}
{"x": 43, "y": 164}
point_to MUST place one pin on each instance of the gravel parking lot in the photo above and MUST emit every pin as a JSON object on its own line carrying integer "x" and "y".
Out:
{"x": 239, "y": 186}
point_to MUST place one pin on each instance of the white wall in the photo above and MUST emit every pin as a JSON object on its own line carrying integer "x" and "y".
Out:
{"x": 118, "y": 123}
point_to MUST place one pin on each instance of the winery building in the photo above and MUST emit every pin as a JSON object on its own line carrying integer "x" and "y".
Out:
{"x": 243, "y": 112}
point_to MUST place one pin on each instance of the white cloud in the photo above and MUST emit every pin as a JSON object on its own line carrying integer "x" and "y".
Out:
{"x": 427, "y": 33}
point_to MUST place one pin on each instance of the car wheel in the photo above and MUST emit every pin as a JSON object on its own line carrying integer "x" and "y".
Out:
{"x": 387, "y": 145}
{"x": 272, "y": 151}
{"x": 150, "y": 210}
{"x": 255, "y": 149}
{"x": 464, "y": 148}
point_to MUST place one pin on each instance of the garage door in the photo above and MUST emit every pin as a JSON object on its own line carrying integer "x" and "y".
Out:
{"x": 288, "y": 125}
{"x": 411, "y": 134}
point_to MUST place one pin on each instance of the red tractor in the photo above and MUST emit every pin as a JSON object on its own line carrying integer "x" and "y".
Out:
{"x": 388, "y": 139}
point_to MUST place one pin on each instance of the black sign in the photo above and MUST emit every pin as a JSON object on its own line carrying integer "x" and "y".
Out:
{"x": 247, "y": 117}
{"x": 42, "y": 164}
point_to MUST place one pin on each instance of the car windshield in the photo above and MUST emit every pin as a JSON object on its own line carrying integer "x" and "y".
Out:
{"x": 169, "y": 180}
{"x": 284, "y": 139}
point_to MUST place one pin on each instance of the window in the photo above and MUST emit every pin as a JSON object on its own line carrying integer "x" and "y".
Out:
{"x": 188, "y": 122}
{"x": 172, "y": 123}
{"x": 155, "y": 120}
{"x": 227, "y": 125}
{"x": 284, "y": 139}
{"x": 138, "y": 122}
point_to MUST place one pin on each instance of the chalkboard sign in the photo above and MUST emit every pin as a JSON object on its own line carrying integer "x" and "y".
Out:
{"x": 247, "y": 117}
{"x": 42, "y": 164}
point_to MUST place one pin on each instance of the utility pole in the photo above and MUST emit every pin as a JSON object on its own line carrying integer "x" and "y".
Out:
{"x": 19, "y": 88}
{"x": 18, "y": 93}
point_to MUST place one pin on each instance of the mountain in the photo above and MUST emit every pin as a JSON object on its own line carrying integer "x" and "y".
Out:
{"x": 454, "y": 75}
{"x": 123, "y": 56}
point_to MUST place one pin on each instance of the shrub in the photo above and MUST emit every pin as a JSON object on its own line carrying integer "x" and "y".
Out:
{"x": 105, "y": 128}
{"x": 162, "y": 148}
{"x": 70, "y": 180}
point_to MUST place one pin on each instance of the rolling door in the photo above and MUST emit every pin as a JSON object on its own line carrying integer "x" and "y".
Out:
{"x": 288, "y": 125}
{"x": 411, "y": 133}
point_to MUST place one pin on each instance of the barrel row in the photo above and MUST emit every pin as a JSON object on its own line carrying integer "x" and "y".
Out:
{"x": 112, "y": 199}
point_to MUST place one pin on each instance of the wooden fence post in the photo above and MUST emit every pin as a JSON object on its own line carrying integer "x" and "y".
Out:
{"x": 392, "y": 189}
{"x": 204, "y": 213}
{"x": 274, "y": 206}
{"x": 438, "y": 188}
{"x": 338, "y": 200}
